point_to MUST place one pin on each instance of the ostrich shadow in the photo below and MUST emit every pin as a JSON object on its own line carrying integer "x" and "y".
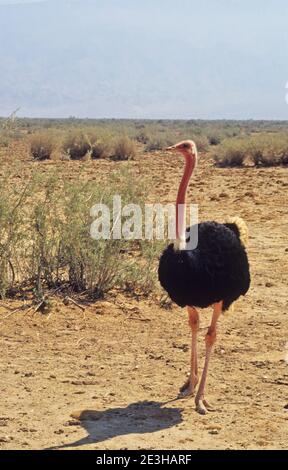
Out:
{"x": 137, "y": 418}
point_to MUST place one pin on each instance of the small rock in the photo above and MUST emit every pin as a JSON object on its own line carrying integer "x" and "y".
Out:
{"x": 269, "y": 284}
{"x": 28, "y": 374}
{"x": 214, "y": 427}
{"x": 84, "y": 382}
{"x": 6, "y": 439}
{"x": 3, "y": 421}
{"x": 72, "y": 422}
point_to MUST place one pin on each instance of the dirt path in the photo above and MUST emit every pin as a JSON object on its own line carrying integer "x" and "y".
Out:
{"x": 105, "y": 380}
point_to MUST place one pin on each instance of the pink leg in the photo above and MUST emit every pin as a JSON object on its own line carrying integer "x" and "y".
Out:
{"x": 201, "y": 404}
{"x": 189, "y": 386}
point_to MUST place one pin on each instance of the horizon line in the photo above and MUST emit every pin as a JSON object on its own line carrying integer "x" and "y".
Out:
{"x": 147, "y": 119}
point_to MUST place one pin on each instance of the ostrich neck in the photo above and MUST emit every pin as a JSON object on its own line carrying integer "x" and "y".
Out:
{"x": 181, "y": 201}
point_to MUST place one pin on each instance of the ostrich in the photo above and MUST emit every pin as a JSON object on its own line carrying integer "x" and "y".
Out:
{"x": 215, "y": 273}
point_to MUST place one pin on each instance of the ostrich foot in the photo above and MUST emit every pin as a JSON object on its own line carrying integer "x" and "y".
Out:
{"x": 188, "y": 389}
{"x": 202, "y": 406}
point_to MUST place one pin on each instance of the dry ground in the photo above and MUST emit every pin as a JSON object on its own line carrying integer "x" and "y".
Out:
{"x": 105, "y": 379}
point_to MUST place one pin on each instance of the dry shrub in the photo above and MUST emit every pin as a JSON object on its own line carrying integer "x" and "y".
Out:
{"x": 42, "y": 146}
{"x": 268, "y": 150}
{"x": 231, "y": 153}
{"x": 4, "y": 139}
{"x": 215, "y": 138}
{"x": 100, "y": 149}
{"x": 201, "y": 142}
{"x": 157, "y": 142}
{"x": 77, "y": 144}
{"x": 264, "y": 149}
{"x": 142, "y": 137}
{"x": 124, "y": 149}
{"x": 100, "y": 145}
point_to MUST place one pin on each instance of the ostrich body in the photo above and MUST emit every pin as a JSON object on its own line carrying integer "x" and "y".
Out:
{"x": 215, "y": 273}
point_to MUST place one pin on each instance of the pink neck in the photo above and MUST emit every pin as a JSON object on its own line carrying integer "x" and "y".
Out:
{"x": 181, "y": 198}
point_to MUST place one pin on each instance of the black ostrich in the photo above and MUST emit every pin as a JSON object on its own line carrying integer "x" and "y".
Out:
{"x": 216, "y": 272}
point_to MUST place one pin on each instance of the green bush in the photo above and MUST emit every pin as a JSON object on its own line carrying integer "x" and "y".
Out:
{"x": 47, "y": 244}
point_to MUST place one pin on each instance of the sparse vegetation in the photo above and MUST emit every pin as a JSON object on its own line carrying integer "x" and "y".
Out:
{"x": 268, "y": 150}
{"x": 231, "y": 153}
{"x": 215, "y": 138}
{"x": 101, "y": 146}
{"x": 42, "y": 146}
{"x": 202, "y": 143}
{"x": 44, "y": 224}
{"x": 157, "y": 143}
{"x": 77, "y": 144}
{"x": 47, "y": 243}
{"x": 261, "y": 149}
{"x": 124, "y": 149}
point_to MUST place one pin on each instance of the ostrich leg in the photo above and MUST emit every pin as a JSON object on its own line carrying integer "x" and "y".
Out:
{"x": 202, "y": 406}
{"x": 189, "y": 386}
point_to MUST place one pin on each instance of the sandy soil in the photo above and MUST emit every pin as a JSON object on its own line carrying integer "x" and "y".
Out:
{"x": 106, "y": 378}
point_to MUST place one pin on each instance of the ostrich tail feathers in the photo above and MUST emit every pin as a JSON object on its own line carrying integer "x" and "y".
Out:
{"x": 243, "y": 229}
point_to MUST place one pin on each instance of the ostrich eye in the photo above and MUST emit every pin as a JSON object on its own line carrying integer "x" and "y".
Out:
{"x": 185, "y": 146}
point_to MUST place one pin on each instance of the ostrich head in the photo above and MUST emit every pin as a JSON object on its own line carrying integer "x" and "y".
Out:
{"x": 186, "y": 147}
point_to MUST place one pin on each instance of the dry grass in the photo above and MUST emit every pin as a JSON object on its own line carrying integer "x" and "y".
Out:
{"x": 76, "y": 144}
{"x": 263, "y": 149}
{"x": 268, "y": 150}
{"x": 42, "y": 145}
{"x": 230, "y": 153}
{"x": 124, "y": 149}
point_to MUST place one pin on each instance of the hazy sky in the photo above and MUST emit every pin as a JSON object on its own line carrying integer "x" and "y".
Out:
{"x": 144, "y": 59}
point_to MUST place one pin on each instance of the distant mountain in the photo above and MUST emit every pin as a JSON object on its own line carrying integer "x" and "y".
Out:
{"x": 108, "y": 58}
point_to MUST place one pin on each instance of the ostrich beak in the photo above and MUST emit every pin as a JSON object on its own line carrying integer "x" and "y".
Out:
{"x": 171, "y": 149}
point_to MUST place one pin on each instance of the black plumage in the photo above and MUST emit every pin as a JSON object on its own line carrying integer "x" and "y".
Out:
{"x": 218, "y": 269}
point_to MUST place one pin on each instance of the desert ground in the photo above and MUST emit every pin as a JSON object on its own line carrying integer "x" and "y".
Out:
{"x": 108, "y": 377}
